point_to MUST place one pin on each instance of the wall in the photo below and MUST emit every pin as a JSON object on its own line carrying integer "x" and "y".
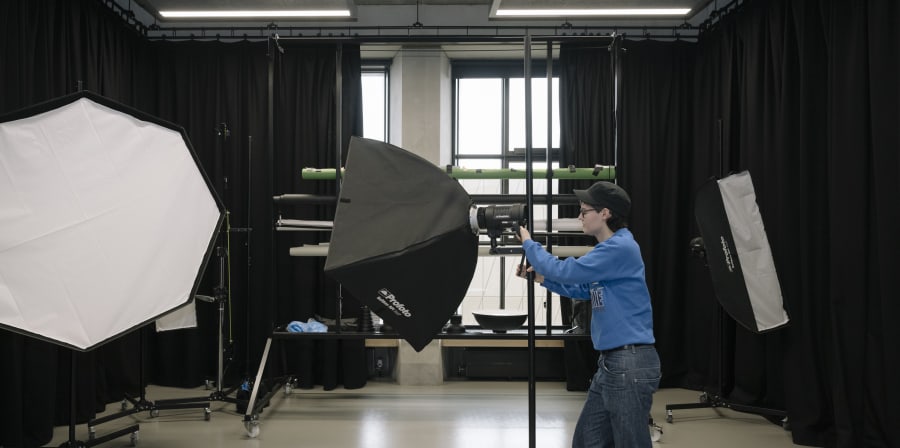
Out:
{"x": 420, "y": 103}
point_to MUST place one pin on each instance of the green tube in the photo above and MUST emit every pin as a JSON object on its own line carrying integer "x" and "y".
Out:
{"x": 601, "y": 172}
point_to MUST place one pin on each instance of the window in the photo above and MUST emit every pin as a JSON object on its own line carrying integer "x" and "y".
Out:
{"x": 489, "y": 132}
{"x": 375, "y": 105}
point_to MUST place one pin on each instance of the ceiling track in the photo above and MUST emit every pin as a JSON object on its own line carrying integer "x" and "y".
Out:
{"x": 418, "y": 32}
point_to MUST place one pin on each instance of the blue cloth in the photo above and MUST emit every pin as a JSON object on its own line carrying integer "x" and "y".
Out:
{"x": 310, "y": 326}
{"x": 611, "y": 276}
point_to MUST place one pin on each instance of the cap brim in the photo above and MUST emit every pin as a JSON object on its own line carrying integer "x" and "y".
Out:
{"x": 585, "y": 197}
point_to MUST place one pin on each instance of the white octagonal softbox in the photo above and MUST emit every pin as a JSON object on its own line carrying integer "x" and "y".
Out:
{"x": 106, "y": 220}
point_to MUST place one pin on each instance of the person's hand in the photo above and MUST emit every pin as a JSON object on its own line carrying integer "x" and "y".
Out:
{"x": 523, "y": 234}
{"x": 520, "y": 272}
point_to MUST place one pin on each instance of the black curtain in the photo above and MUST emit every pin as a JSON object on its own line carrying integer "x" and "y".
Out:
{"x": 49, "y": 49}
{"x": 52, "y": 48}
{"x": 804, "y": 95}
{"x": 586, "y": 102}
{"x": 218, "y": 92}
{"x": 655, "y": 155}
{"x": 809, "y": 104}
{"x": 305, "y": 130}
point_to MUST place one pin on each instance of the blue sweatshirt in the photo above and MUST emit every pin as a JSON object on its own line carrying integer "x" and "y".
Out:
{"x": 611, "y": 276}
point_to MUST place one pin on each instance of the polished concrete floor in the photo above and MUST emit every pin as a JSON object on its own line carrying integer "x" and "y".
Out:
{"x": 458, "y": 414}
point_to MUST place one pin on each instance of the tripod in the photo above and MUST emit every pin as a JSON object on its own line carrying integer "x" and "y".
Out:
{"x": 220, "y": 297}
{"x": 141, "y": 403}
{"x": 74, "y": 443}
{"x": 716, "y": 399}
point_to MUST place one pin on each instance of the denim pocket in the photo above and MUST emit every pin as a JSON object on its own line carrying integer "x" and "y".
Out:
{"x": 626, "y": 369}
{"x": 646, "y": 378}
{"x": 612, "y": 376}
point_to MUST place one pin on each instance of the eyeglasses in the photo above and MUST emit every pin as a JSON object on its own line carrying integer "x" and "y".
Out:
{"x": 585, "y": 211}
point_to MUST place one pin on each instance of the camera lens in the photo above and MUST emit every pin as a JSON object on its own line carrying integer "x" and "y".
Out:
{"x": 497, "y": 218}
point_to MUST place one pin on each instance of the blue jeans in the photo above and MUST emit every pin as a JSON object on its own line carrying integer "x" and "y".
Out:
{"x": 617, "y": 410}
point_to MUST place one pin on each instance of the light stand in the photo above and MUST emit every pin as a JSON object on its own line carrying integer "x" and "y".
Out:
{"x": 95, "y": 294}
{"x": 141, "y": 403}
{"x": 220, "y": 297}
{"x": 716, "y": 399}
{"x": 72, "y": 442}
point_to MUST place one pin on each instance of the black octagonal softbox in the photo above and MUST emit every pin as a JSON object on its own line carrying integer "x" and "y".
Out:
{"x": 106, "y": 220}
{"x": 402, "y": 242}
{"x": 738, "y": 253}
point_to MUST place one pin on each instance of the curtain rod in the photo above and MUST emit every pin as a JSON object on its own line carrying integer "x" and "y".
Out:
{"x": 458, "y": 33}
{"x": 389, "y": 34}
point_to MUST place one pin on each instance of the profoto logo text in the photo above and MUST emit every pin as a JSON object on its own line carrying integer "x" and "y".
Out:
{"x": 727, "y": 253}
{"x": 388, "y": 299}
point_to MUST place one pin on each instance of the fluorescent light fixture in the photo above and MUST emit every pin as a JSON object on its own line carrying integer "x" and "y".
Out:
{"x": 592, "y": 12}
{"x": 255, "y": 14}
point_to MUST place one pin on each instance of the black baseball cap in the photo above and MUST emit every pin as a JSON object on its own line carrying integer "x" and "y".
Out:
{"x": 605, "y": 194}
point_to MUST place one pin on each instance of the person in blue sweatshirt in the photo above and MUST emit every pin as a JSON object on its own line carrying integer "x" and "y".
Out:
{"x": 617, "y": 409}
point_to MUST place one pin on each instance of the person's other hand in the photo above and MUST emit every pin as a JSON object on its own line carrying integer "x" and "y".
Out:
{"x": 538, "y": 278}
{"x": 523, "y": 234}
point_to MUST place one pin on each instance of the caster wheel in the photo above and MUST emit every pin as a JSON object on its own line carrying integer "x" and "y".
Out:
{"x": 92, "y": 433}
{"x": 668, "y": 416}
{"x": 704, "y": 398}
{"x": 154, "y": 413}
{"x": 124, "y": 405}
{"x": 655, "y": 433}
{"x": 207, "y": 414}
{"x": 252, "y": 428}
{"x": 134, "y": 438}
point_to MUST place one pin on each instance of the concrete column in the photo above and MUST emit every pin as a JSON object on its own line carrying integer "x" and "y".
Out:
{"x": 425, "y": 368}
{"x": 420, "y": 123}
{"x": 420, "y": 103}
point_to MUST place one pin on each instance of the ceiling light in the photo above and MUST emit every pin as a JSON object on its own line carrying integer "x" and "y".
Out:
{"x": 254, "y": 14}
{"x": 592, "y": 12}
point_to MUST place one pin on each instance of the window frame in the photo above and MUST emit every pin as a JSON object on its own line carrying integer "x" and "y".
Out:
{"x": 380, "y": 66}
{"x": 506, "y": 70}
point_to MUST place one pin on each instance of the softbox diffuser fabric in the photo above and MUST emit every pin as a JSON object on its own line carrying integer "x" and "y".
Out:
{"x": 738, "y": 253}
{"x": 402, "y": 243}
{"x": 106, "y": 220}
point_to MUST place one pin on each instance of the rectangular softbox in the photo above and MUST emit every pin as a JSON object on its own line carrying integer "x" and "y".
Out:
{"x": 738, "y": 253}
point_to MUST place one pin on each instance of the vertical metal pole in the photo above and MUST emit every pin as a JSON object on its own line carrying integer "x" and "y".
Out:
{"x": 720, "y": 315}
{"x": 549, "y": 70}
{"x": 339, "y": 137}
{"x": 249, "y": 243}
{"x": 615, "y": 48}
{"x": 529, "y": 199}
{"x": 220, "y": 373}
{"x": 270, "y": 134}
{"x": 220, "y": 299}
{"x": 338, "y": 112}
{"x": 71, "y": 442}
{"x": 504, "y": 184}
